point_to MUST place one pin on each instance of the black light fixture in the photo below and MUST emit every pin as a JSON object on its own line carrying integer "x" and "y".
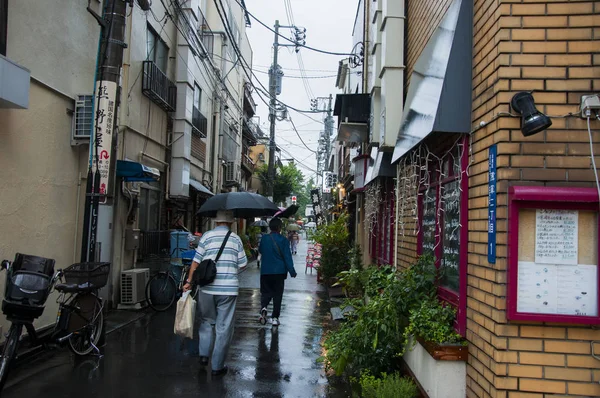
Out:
{"x": 532, "y": 120}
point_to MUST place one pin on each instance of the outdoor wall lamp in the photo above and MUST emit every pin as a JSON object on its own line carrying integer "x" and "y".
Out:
{"x": 532, "y": 120}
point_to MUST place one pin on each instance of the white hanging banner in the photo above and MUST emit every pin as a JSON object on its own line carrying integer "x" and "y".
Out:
{"x": 104, "y": 121}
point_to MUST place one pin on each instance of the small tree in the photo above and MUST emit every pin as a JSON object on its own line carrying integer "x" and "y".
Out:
{"x": 336, "y": 246}
{"x": 288, "y": 179}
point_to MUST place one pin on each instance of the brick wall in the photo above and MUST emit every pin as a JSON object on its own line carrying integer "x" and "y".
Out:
{"x": 423, "y": 16}
{"x": 547, "y": 46}
{"x": 551, "y": 47}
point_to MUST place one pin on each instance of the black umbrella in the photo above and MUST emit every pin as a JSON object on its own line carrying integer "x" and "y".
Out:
{"x": 290, "y": 211}
{"x": 243, "y": 205}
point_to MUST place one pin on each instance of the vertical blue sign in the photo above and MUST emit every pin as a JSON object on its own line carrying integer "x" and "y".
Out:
{"x": 492, "y": 205}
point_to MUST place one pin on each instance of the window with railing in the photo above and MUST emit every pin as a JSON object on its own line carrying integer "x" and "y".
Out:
{"x": 157, "y": 87}
{"x": 156, "y": 49}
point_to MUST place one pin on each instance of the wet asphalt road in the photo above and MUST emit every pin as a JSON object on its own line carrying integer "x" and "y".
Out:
{"x": 145, "y": 358}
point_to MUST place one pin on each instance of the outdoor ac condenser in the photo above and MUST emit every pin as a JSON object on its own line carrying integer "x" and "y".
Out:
{"x": 133, "y": 285}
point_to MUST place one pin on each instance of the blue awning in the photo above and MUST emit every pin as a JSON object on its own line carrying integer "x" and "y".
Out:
{"x": 133, "y": 171}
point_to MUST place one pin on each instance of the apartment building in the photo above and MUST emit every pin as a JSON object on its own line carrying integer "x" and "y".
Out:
{"x": 178, "y": 134}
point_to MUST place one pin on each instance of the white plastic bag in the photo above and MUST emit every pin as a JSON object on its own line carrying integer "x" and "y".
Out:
{"x": 184, "y": 319}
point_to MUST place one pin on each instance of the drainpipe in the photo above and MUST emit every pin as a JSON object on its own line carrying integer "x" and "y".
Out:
{"x": 366, "y": 52}
{"x": 216, "y": 147}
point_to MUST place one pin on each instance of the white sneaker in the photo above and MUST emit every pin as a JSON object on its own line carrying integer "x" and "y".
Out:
{"x": 275, "y": 322}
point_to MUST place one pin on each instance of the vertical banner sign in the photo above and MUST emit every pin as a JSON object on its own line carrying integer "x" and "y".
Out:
{"x": 318, "y": 211}
{"x": 106, "y": 99}
{"x": 492, "y": 205}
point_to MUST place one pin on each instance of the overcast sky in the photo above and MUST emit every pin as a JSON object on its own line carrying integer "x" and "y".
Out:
{"x": 328, "y": 26}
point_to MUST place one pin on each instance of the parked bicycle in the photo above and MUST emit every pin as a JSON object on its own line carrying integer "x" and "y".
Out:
{"x": 80, "y": 319}
{"x": 164, "y": 287}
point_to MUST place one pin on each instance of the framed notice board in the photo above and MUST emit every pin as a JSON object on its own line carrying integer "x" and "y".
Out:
{"x": 553, "y": 271}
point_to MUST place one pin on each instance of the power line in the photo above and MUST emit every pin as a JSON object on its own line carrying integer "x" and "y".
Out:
{"x": 295, "y": 69}
{"x": 298, "y": 134}
{"x": 290, "y": 40}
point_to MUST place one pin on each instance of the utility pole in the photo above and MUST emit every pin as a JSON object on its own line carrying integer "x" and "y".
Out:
{"x": 272, "y": 113}
{"x": 108, "y": 75}
{"x": 275, "y": 76}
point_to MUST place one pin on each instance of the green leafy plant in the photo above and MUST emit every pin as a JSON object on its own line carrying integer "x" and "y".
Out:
{"x": 388, "y": 386}
{"x": 334, "y": 238}
{"x": 433, "y": 322}
{"x": 373, "y": 337}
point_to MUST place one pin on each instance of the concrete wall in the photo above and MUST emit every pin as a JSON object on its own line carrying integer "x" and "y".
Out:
{"x": 42, "y": 199}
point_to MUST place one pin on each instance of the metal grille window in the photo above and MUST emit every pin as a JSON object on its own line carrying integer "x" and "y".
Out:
{"x": 84, "y": 116}
{"x": 156, "y": 50}
{"x": 230, "y": 146}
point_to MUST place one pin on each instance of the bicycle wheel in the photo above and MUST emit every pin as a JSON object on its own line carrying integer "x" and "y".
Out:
{"x": 89, "y": 320}
{"x": 161, "y": 291}
{"x": 9, "y": 351}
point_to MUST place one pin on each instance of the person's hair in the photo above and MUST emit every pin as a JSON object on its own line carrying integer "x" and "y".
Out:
{"x": 275, "y": 224}
{"x": 263, "y": 229}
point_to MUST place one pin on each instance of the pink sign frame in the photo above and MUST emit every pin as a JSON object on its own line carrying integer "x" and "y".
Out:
{"x": 535, "y": 197}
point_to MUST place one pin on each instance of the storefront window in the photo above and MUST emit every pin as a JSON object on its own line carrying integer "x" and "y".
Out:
{"x": 442, "y": 222}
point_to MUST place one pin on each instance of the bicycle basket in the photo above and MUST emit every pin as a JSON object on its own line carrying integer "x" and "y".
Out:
{"x": 88, "y": 274}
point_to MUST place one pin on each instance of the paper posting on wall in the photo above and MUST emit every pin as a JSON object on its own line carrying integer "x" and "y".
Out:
{"x": 556, "y": 236}
{"x": 557, "y": 289}
{"x": 537, "y": 288}
{"x": 577, "y": 291}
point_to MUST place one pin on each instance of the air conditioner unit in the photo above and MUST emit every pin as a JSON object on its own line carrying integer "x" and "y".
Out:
{"x": 133, "y": 285}
{"x": 83, "y": 120}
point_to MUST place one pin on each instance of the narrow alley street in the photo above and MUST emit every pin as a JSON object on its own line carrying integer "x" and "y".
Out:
{"x": 145, "y": 358}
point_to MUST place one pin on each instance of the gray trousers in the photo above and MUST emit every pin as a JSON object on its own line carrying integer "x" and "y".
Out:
{"x": 217, "y": 311}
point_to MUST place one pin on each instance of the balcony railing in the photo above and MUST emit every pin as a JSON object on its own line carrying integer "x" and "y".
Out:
{"x": 199, "y": 123}
{"x": 249, "y": 104}
{"x": 157, "y": 87}
{"x": 247, "y": 161}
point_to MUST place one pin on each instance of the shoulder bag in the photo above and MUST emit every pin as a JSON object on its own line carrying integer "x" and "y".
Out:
{"x": 206, "y": 272}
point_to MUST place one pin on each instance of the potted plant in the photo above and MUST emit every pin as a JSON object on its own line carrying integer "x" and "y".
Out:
{"x": 432, "y": 325}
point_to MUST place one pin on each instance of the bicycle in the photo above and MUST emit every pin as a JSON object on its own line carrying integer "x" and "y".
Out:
{"x": 162, "y": 289}
{"x": 80, "y": 319}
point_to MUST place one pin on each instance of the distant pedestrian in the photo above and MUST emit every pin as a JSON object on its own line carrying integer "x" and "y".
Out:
{"x": 295, "y": 240}
{"x": 277, "y": 262}
{"x": 217, "y": 300}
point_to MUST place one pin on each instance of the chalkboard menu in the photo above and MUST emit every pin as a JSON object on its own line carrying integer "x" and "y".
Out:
{"x": 451, "y": 245}
{"x": 428, "y": 223}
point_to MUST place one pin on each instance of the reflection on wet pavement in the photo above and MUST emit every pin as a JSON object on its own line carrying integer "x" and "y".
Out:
{"x": 145, "y": 358}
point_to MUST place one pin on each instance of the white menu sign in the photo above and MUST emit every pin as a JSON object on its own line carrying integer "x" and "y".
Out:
{"x": 105, "y": 118}
{"x": 557, "y": 289}
{"x": 556, "y": 236}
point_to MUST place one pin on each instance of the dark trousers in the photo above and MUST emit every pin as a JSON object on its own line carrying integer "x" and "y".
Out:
{"x": 271, "y": 287}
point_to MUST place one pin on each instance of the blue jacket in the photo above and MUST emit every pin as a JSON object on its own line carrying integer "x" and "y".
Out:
{"x": 271, "y": 262}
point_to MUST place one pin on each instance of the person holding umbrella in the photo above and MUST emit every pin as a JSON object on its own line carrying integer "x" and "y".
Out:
{"x": 217, "y": 300}
{"x": 277, "y": 262}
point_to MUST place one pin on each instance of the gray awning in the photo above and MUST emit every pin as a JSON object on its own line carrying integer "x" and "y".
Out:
{"x": 382, "y": 167}
{"x": 439, "y": 94}
{"x": 200, "y": 188}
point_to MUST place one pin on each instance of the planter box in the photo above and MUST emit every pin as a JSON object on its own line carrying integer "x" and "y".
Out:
{"x": 445, "y": 377}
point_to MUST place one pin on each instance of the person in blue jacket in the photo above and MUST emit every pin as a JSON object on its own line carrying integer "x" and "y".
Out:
{"x": 275, "y": 265}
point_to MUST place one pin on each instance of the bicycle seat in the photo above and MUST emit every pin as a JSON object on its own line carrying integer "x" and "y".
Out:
{"x": 74, "y": 288}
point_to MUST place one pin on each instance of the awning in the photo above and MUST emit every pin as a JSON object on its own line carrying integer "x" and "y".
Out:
{"x": 353, "y": 112}
{"x": 200, "y": 188}
{"x": 382, "y": 167}
{"x": 439, "y": 94}
{"x": 133, "y": 171}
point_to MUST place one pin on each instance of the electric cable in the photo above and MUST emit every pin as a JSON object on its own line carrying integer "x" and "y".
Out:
{"x": 592, "y": 155}
{"x": 298, "y": 134}
{"x": 290, "y": 40}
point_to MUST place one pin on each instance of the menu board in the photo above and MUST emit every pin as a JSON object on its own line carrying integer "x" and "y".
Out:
{"x": 556, "y": 236}
{"x": 557, "y": 289}
{"x": 428, "y": 223}
{"x": 451, "y": 246}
